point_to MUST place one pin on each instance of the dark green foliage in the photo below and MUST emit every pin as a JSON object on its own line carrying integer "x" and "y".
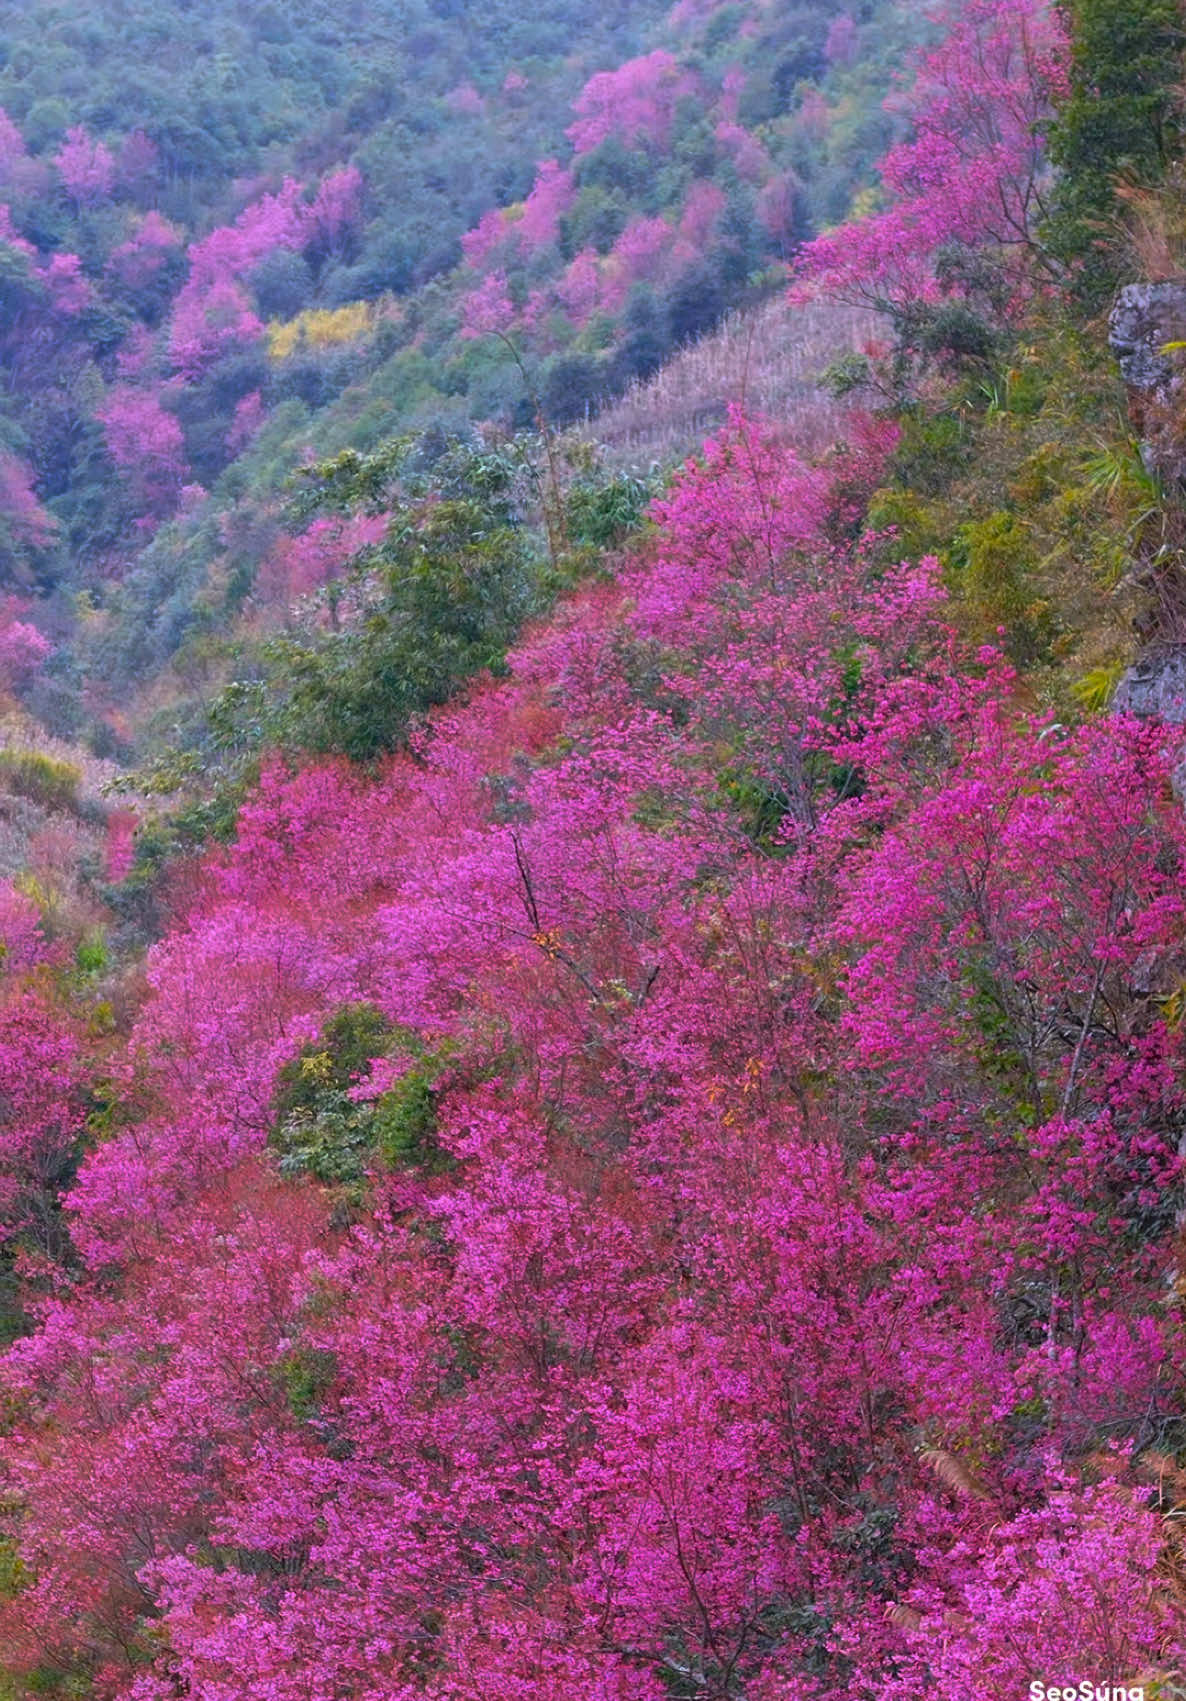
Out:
{"x": 306, "y": 1375}
{"x": 596, "y": 219}
{"x": 283, "y": 284}
{"x": 350, "y": 1039}
{"x": 603, "y": 514}
{"x": 613, "y": 166}
{"x": 647, "y": 340}
{"x": 996, "y": 566}
{"x": 956, "y": 335}
{"x": 574, "y": 387}
{"x": 322, "y": 1131}
{"x": 695, "y": 303}
{"x": 437, "y": 601}
{"x": 932, "y": 449}
{"x": 1121, "y": 121}
{"x": 477, "y": 541}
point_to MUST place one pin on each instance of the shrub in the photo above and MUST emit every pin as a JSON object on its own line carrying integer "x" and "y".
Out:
{"x": 332, "y": 1124}
{"x": 42, "y": 779}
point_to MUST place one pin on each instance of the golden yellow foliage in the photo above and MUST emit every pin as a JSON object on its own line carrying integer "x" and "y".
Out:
{"x": 319, "y": 327}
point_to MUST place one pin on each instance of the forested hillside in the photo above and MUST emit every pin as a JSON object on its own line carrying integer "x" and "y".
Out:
{"x": 592, "y": 1095}
{"x": 238, "y": 240}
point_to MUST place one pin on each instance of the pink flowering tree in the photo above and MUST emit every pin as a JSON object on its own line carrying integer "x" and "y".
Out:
{"x": 550, "y": 198}
{"x": 464, "y": 98}
{"x": 842, "y": 39}
{"x": 335, "y": 212}
{"x": 139, "y": 160}
{"x": 23, "y": 649}
{"x": 119, "y": 850}
{"x": 10, "y": 236}
{"x": 973, "y": 172}
{"x": 139, "y": 260}
{"x": 39, "y": 1089}
{"x": 299, "y": 565}
{"x": 210, "y": 319}
{"x": 669, "y": 1185}
{"x": 214, "y": 312}
{"x": 69, "y": 291}
{"x": 22, "y": 516}
{"x": 487, "y": 308}
{"x": 146, "y": 443}
{"x": 86, "y": 167}
{"x": 579, "y": 288}
{"x": 247, "y": 420}
{"x": 636, "y": 102}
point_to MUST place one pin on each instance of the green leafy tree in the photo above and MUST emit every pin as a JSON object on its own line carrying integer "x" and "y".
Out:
{"x": 1121, "y": 120}
{"x": 435, "y": 602}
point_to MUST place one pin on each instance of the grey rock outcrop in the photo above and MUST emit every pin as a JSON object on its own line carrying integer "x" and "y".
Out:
{"x": 1155, "y": 687}
{"x": 1145, "y": 318}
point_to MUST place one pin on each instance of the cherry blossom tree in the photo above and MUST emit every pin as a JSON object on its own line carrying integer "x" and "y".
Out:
{"x": 25, "y": 518}
{"x": 487, "y": 308}
{"x": 635, "y": 102}
{"x": 973, "y": 172}
{"x": 86, "y": 167}
{"x": 146, "y": 442}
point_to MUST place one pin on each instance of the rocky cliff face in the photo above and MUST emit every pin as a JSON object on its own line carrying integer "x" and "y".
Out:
{"x": 1145, "y": 318}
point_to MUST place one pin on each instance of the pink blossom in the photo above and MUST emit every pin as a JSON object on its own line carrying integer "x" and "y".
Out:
{"x": 22, "y": 941}
{"x": 26, "y": 518}
{"x": 637, "y": 101}
{"x": 86, "y": 167}
{"x": 842, "y": 42}
{"x": 249, "y": 416}
{"x": 208, "y": 319}
{"x": 22, "y": 650}
{"x": 9, "y": 234}
{"x": 746, "y": 152}
{"x": 639, "y": 255}
{"x": 487, "y": 308}
{"x": 147, "y": 443}
{"x": 68, "y": 289}
{"x": 138, "y": 159}
{"x": 776, "y": 207}
{"x": 301, "y": 564}
{"x": 138, "y": 260}
{"x": 814, "y": 117}
{"x": 972, "y": 171}
{"x": 580, "y": 286}
{"x": 703, "y": 206}
{"x": 551, "y": 196}
{"x": 763, "y": 1194}
{"x": 465, "y": 98}
{"x": 119, "y": 851}
{"x": 336, "y": 209}
{"x": 478, "y": 244}
{"x": 732, "y": 84}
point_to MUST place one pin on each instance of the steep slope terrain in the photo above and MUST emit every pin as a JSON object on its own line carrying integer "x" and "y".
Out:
{"x": 648, "y": 1162}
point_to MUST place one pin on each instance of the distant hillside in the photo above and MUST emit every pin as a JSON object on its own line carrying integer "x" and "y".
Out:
{"x": 231, "y": 244}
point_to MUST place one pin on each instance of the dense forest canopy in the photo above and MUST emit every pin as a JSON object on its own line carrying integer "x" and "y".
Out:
{"x": 592, "y": 1092}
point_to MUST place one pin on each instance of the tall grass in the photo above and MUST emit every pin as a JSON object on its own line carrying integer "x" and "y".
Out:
{"x": 770, "y": 360}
